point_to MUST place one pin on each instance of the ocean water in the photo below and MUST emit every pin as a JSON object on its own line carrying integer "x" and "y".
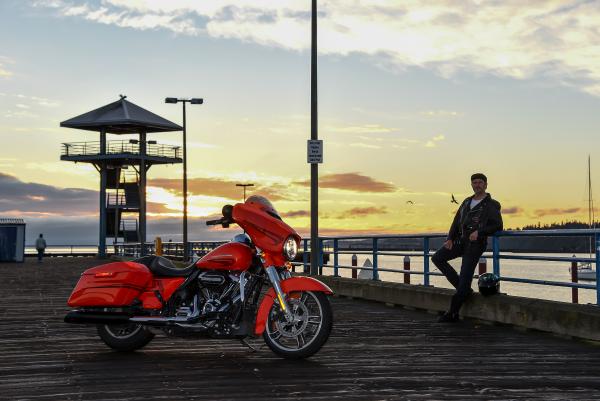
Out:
{"x": 527, "y": 269}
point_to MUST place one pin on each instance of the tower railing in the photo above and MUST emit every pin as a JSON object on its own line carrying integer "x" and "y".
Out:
{"x": 119, "y": 147}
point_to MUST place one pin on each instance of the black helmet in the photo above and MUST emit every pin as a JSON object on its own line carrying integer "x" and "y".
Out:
{"x": 489, "y": 284}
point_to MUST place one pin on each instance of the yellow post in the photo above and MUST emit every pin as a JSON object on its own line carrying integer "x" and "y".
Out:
{"x": 158, "y": 246}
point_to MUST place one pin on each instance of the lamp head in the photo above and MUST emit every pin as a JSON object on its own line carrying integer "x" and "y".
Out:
{"x": 197, "y": 101}
{"x": 171, "y": 100}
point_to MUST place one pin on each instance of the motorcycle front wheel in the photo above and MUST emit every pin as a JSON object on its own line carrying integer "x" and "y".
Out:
{"x": 124, "y": 337}
{"x": 306, "y": 332}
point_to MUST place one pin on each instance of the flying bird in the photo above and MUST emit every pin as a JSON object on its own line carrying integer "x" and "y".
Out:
{"x": 454, "y": 200}
{"x": 410, "y": 202}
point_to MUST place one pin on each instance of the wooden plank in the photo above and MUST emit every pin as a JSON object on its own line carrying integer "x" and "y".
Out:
{"x": 375, "y": 352}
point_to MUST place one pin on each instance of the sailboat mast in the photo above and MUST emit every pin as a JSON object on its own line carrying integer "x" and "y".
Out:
{"x": 590, "y": 202}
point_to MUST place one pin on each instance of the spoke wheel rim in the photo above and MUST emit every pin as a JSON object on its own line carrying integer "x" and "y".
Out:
{"x": 123, "y": 331}
{"x": 302, "y": 330}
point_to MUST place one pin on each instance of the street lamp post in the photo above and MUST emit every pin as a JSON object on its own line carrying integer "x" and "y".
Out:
{"x": 185, "y": 226}
{"x": 244, "y": 185}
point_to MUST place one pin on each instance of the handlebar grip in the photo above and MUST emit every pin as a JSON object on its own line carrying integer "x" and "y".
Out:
{"x": 213, "y": 222}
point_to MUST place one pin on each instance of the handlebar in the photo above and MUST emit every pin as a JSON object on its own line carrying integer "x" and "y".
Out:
{"x": 214, "y": 222}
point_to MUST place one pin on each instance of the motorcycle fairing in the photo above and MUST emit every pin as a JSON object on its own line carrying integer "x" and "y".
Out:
{"x": 287, "y": 286}
{"x": 267, "y": 232}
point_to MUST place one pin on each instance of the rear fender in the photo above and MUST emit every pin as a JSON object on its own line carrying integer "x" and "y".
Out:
{"x": 287, "y": 286}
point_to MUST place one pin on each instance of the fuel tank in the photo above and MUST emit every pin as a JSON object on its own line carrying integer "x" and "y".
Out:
{"x": 232, "y": 256}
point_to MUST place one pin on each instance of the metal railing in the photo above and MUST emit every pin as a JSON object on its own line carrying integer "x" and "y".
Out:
{"x": 372, "y": 245}
{"x": 119, "y": 147}
{"x": 172, "y": 250}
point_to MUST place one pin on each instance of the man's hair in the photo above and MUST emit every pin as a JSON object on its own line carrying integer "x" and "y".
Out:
{"x": 479, "y": 176}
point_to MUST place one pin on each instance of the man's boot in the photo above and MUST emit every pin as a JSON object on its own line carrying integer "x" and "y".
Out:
{"x": 448, "y": 317}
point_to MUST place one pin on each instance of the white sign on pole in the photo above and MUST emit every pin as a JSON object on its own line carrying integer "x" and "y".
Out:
{"x": 315, "y": 151}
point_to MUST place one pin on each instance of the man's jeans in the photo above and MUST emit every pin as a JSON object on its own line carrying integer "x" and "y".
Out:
{"x": 470, "y": 252}
{"x": 40, "y": 254}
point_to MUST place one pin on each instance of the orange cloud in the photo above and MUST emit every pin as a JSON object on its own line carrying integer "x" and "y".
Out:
{"x": 218, "y": 187}
{"x": 296, "y": 213}
{"x": 351, "y": 182}
{"x": 362, "y": 212}
{"x": 512, "y": 210}
{"x": 556, "y": 211}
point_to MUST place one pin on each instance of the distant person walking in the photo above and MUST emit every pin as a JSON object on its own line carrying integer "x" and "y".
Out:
{"x": 40, "y": 246}
{"x": 477, "y": 217}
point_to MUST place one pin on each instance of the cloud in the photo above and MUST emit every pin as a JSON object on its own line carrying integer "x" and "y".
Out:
{"x": 515, "y": 210}
{"x": 351, "y": 182}
{"x": 364, "y": 145}
{"x": 556, "y": 211}
{"x": 441, "y": 113}
{"x": 18, "y": 197}
{"x": 551, "y": 39}
{"x": 432, "y": 143}
{"x": 221, "y": 188}
{"x": 296, "y": 213}
{"x": 361, "y": 129}
{"x": 362, "y": 212}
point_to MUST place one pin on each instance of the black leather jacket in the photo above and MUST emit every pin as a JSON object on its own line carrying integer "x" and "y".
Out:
{"x": 485, "y": 218}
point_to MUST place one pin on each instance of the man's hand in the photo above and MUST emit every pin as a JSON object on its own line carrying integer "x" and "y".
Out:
{"x": 473, "y": 236}
{"x": 448, "y": 244}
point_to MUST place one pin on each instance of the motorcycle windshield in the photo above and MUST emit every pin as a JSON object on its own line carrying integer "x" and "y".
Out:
{"x": 264, "y": 204}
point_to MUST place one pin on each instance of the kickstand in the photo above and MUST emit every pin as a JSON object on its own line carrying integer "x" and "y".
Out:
{"x": 253, "y": 349}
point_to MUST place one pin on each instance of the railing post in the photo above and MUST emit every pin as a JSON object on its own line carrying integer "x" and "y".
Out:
{"x": 574, "y": 292}
{"x": 482, "y": 266}
{"x": 406, "y": 267}
{"x": 426, "y": 261}
{"x": 320, "y": 257}
{"x": 597, "y": 241}
{"x": 354, "y": 264}
{"x": 375, "y": 252}
{"x": 335, "y": 258}
{"x": 496, "y": 255}
{"x": 305, "y": 256}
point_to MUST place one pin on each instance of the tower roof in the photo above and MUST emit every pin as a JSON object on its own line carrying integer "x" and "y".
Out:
{"x": 121, "y": 117}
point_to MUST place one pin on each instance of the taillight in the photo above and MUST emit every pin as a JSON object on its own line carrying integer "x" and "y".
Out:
{"x": 104, "y": 274}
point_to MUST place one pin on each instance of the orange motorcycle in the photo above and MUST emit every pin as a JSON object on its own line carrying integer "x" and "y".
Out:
{"x": 241, "y": 289}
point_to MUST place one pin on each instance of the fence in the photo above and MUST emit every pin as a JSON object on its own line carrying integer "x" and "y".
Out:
{"x": 119, "y": 147}
{"x": 371, "y": 245}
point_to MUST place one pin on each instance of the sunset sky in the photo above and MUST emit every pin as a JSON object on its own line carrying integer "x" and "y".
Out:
{"x": 414, "y": 97}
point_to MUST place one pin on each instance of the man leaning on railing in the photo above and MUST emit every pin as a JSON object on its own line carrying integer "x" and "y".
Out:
{"x": 477, "y": 217}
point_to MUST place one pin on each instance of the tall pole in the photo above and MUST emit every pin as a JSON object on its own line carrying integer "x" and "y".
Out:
{"x": 314, "y": 135}
{"x": 185, "y": 203}
{"x": 102, "y": 239}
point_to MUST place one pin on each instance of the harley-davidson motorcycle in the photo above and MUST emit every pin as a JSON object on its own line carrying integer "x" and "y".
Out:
{"x": 222, "y": 295}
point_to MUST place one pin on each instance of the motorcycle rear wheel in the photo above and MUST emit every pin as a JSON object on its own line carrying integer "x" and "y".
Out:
{"x": 124, "y": 337}
{"x": 307, "y": 333}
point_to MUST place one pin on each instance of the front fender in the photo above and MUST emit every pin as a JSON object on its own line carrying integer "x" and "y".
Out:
{"x": 287, "y": 286}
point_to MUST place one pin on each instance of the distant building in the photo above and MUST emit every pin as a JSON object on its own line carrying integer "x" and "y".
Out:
{"x": 12, "y": 240}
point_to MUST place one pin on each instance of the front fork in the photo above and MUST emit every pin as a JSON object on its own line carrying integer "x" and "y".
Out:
{"x": 276, "y": 282}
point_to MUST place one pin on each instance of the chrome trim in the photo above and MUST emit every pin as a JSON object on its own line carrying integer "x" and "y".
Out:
{"x": 243, "y": 281}
{"x": 276, "y": 282}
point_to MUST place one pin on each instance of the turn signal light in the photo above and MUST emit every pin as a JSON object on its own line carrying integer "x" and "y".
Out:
{"x": 104, "y": 274}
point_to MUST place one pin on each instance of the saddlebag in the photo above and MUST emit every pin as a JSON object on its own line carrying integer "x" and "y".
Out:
{"x": 110, "y": 285}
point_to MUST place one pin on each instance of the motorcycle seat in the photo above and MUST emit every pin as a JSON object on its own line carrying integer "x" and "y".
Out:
{"x": 161, "y": 266}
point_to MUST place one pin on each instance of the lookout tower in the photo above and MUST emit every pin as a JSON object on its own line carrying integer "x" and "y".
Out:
{"x": 122, "y": 164}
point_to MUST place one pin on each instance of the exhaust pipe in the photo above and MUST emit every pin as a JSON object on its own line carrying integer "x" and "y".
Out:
{"x": 80, "y": 317}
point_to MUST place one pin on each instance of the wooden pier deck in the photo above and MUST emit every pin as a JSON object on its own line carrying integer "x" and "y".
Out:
{"x": 375, "y": 352}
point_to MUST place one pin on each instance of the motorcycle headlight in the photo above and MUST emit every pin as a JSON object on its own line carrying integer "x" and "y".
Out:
{"x": 290, "y": 248}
